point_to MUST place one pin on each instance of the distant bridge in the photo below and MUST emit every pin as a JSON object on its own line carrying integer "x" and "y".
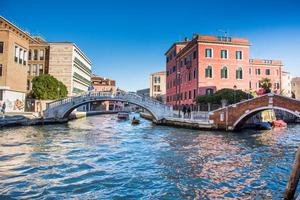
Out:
{"x": 61, "y": 109}
{"x": 233, "y": 117}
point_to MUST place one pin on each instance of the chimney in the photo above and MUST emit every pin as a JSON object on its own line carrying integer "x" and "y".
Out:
{"x": 186, "y": 39}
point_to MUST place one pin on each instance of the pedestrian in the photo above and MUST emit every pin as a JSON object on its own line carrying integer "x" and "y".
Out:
{"x": 3, "y": 109}
{"x": 189, "y": 111}
{"x": 184, "y": 110}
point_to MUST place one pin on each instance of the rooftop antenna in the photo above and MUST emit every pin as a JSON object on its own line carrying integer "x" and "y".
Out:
{"x": 225, "y": 32}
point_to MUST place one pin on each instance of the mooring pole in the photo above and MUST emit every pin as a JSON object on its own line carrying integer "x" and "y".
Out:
{"x": 294, "y": 178}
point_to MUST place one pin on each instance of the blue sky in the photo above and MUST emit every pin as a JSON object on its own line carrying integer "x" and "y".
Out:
{"x": 126, "y": 40}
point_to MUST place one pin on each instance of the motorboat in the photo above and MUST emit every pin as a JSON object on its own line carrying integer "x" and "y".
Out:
{"x": 279, "y": 123}
{"x": 135, "y": 121}
{"x": 123, "y": 115}
{"x": 263, "y": 126}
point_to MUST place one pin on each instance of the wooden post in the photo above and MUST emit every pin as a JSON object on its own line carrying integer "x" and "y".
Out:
{"x": 294, "y": 178}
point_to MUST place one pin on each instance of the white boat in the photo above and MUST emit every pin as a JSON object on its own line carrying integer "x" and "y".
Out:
{"x": 123, "y": 115}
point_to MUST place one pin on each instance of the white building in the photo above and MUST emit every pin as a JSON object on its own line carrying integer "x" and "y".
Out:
{"x": 158, "y": 84}
{"x": 286, "y": 84}
{"x": 70, "y": 65}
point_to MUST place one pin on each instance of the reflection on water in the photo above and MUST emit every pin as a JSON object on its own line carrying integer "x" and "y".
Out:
{"x": 102, "y": 158}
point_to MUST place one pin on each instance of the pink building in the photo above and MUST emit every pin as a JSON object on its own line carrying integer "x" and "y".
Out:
{"x": 208, "y": 63}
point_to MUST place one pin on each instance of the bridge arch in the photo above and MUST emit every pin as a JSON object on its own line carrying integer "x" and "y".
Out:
{"x": 68, "y": 111}
{"x": 234, "y": 116}
{"x": 242, "y": 119}
{"x": 60, "y": 109}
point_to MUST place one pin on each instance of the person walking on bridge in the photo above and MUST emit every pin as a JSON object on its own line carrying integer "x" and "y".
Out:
{"x": 189, "y": 111}
{"x": 183, "y": 110}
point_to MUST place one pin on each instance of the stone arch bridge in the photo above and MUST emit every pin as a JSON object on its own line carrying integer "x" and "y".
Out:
{"x": 234, "y": 116}
{"x": 60, "y": 110}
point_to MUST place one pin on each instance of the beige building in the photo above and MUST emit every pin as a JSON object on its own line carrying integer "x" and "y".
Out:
{"x": 296, "y": 88}
{"x": 14, "y": 47}
{"x": 286, "y": 84}
{"x": 70, "y": 65}
{"x": 38, "y": 60}
{"x": 158, "y": 84}
{"x": 102, "y": 84}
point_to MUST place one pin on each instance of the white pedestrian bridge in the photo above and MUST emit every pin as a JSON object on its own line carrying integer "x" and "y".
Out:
{"x": 61, "y": 109}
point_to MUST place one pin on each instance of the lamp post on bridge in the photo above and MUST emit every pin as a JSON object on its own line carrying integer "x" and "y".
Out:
{"x": 234, "y": 99}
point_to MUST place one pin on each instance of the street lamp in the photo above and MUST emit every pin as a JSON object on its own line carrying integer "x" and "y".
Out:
{"x": 234, "y": 99}
{"x": 179, "y": 95}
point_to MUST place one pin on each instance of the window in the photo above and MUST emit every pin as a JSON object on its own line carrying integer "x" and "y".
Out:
{"x": 29, "y": 54}
{"x": 29, "y": 69}
{"x": 41, "y": 54}
{"x": 190, "y": 76}
{"x": 28, "y": 84}
{"x": 195, "y": 55}
{"x": 257, "y": 71}
{"x": 195, "y": 73}
{"x": 24, "y": 57}
{"x": 224, "y": 72}
{"x": 190, "y": 94}
{"x": 185, "y": 95}
{"x": 239, "y": 73}
{"x": 224, "y": 54}
{"x": 209, "y": 91}
{"x": 167, "y": 58}
{"x": 239, "y": 55}
{"x": 250, "y": 71}
{"x": 208, "y": 53}
{"x": 1, "y": 70}
{"x": 1, "y": 47}
{"x": 35, "y": 54}
{"x": 16, "y": 53}
{"x": 174, "y": 68}
{"x": 20, "y": 56}
{"x": 195, "y": 93}
{"x": 208, "y": 72}
{"x": 250, "y": 85}
{"x": 268, "y": 72}
{"x": 41, "y": 70}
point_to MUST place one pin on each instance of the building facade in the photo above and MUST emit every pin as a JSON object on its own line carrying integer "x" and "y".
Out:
{"x": 14, "y": 48}
{"x": 102, "y": 84}
{"x": 38, "y": 60}
{"x": 158, "y": 84}
{"x": 208, "y": 63}
{"x": 296, "y": 88}
{"x": 68, "y": 64}
{"x": 286, "y": 84}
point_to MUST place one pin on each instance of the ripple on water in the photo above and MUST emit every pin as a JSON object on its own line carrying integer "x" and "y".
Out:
{"x": 100, "y": 157}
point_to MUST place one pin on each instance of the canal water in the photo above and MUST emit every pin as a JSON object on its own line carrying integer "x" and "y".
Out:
{"x": 100, "y": 157}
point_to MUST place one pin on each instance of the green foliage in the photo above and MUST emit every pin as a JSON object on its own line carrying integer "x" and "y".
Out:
{"x": 46, "y": 87}
{"x": 266, "y": 84}
{"x": 229, "y": 95}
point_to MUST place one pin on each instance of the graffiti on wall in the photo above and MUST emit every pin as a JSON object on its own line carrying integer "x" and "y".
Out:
{"x": 16, "y": 105}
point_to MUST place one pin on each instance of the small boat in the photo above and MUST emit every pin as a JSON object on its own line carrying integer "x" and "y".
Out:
{"x": 135, "y": 121}
{"x": 279, "y": 123}
{"x": 263, "y": 126}
{"x": 123, "y": 115}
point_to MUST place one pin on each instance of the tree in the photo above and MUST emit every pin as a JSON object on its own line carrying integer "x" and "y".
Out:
{"x": 46, "y": 87}
{"x": 266, "y": 84}
{"x": 229, "y": 95}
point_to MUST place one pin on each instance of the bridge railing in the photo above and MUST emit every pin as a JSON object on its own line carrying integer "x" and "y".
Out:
{"x": 117, "y": 95}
